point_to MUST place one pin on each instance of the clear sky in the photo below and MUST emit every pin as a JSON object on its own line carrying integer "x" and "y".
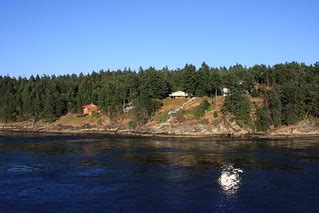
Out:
{"x": 73, "y": 36}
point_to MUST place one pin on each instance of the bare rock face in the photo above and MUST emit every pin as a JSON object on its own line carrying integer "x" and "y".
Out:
{"x": 305, "y": 127}
{"x": 201, "y": 129}
{"x": 224, "y": 126}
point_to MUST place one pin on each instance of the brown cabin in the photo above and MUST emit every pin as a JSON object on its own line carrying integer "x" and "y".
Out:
{"x": 90, "y": 108}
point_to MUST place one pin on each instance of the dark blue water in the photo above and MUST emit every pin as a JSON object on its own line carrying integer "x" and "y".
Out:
{"x": 90, "y": 173}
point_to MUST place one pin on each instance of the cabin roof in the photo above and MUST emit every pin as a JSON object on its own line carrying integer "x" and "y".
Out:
{"x": 179, "y": 93}
{"x": 90, "y": 106}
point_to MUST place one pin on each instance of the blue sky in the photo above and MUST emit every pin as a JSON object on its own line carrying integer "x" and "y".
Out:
{"x": 73, "y": 36}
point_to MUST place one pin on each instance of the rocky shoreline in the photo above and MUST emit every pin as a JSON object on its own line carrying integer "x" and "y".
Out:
{"x": 308, "y": 128}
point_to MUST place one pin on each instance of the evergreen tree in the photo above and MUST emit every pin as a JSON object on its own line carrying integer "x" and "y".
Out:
{"x": 203, "y": 87}
{"x": 290, "y": 91}
{"x": 275, "y": 108}
{"x": 49, "y": 109}
{"x": 293, "y": 100}
{"x": 263, "y": 121}
{"x": 189, "y": 79}
{"x": 239, "y": 106}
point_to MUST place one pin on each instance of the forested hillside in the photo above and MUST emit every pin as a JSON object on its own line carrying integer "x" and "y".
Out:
{"x": 290, "y": 92}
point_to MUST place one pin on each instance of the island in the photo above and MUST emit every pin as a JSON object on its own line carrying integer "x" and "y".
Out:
{"x": 235, "y": 101}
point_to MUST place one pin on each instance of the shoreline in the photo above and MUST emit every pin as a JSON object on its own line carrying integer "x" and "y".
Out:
{"x": 135, "y": 133}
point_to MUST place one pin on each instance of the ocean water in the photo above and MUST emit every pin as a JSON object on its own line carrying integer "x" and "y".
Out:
{"x": 103, "y": 173}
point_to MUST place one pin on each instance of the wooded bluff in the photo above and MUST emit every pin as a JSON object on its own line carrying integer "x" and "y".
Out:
{"x": 289, "y": 93}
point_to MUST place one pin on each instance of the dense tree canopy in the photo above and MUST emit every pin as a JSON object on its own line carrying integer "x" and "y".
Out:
{"x": 290, "y": 91}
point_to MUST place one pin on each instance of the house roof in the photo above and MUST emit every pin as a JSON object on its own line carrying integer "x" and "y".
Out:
{"x": 178, "y": 93}
{"x": 90, "y": 106}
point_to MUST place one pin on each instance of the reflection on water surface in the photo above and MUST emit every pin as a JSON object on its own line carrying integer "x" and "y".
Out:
{"x": 94, "y": 172}
{"x": 230, "y": 179}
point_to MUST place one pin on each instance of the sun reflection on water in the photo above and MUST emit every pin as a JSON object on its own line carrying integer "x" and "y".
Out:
{"x": 230, "y": 179}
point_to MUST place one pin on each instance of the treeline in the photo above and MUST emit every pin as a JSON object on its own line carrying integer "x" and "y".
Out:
{"x": 290, "y": 92}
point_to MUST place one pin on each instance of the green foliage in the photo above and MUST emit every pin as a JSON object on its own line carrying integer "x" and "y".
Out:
{"x": 144, "y": 107}
{"x": 49, "y": 105}
{"x": 162, "y": 118}
{"x": 270, "y": 114}
{"x": 7, "y": 111}
{"x": 290, "y": 90}
{"x": 153, "y": 83}
{"x": 293, "y": 101}
{"x": 254, "y": 93}
{"x": 205, "y": 104}
{"x": 239, "y": 105}
{"x": 95, "y": 114}
{"x": 263, "y": 121}
{"x": 203, "y": 86}
{"x": 189, "y": 78}
{"x": 275, "y": 108}
{"x": 200, "y": 111}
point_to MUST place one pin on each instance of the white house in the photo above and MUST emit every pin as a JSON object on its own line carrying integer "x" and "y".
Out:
{"x": 179, "y": 94}
{"x": 225, "y": 91}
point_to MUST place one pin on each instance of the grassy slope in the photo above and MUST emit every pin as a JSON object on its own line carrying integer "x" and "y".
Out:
{"x": 188, "y": 115}
{"x": 185, "y": 120}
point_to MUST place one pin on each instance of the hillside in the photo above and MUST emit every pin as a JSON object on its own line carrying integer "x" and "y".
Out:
{"x": 175, "y": 117}
{"x": 189, "y": 117}
{"x": 249, "y": 99}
